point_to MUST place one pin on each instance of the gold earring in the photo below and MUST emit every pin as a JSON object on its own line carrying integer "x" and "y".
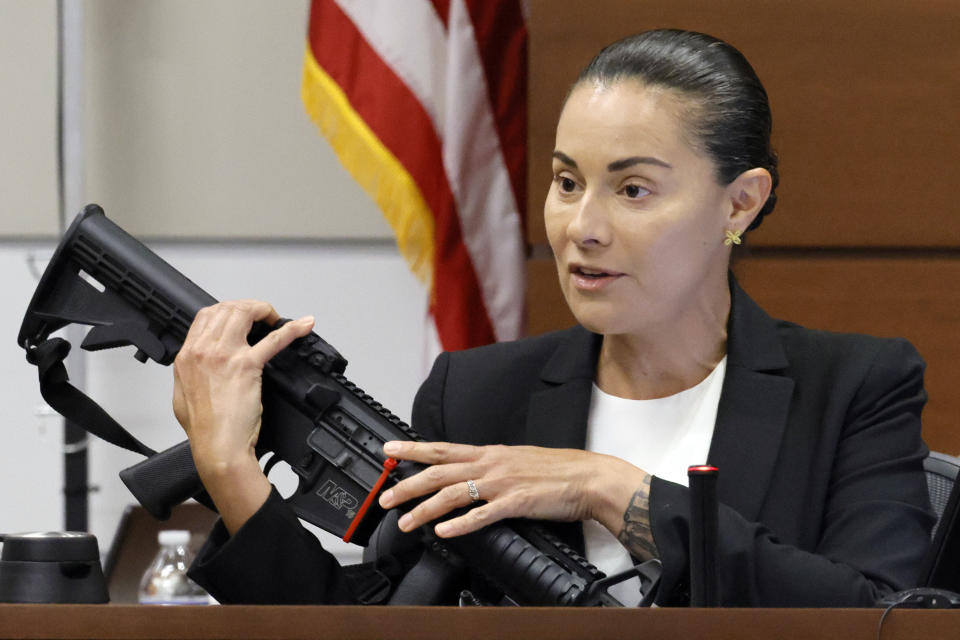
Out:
{"x": 732, "y": 237}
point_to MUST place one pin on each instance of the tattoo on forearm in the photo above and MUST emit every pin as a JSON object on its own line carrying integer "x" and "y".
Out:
{"x": 636, "y": 534}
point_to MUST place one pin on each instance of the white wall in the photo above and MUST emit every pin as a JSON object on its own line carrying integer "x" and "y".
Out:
{"x": 194, "y": 131}
{"x": 31, "y": 467}
{"x": 195, "y": 125}
{"x": 28, "y": 117}
{"x": 193, "y": 122}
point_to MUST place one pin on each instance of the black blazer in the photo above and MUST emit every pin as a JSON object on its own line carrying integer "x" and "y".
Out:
{"x": 823, "y": 497}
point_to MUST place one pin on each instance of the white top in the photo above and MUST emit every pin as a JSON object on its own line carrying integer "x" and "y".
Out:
{"x": 663, "y": 437}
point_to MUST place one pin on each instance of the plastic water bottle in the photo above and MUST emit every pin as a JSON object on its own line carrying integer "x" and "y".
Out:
{"x": 165, "y": 581}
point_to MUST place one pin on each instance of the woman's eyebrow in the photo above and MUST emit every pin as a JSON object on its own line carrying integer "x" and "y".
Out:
{"x": 620, "y": 165}
{"x": 565, "y": 159}
{"x": 616, "y": 165}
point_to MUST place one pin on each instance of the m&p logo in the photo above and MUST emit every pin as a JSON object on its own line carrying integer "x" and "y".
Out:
{"x": 340, "y": 498}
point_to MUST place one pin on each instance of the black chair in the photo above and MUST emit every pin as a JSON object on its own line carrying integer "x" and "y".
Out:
{"x": 941, "y": 471}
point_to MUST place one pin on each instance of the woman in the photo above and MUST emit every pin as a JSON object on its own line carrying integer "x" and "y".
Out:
{"x": 662, "y": 162}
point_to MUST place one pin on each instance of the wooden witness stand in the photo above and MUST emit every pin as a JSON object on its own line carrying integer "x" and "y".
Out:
{"x": 121, "y": 622}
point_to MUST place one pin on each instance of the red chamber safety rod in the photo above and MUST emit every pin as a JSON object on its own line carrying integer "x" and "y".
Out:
{"x": 388, "y": 465}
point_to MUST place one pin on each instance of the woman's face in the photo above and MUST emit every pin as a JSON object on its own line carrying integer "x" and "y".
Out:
{"x": 634, "y": 215}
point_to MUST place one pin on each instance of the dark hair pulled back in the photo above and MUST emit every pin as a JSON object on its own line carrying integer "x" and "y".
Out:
{"x": 732, "y": 118}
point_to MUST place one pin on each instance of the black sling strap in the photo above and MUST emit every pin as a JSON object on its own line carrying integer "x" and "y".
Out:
{"x": 73, "y": 404}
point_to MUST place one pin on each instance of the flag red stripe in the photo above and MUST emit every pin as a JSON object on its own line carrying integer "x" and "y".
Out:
{"x": 398, "y": 119}
{"x": 501, "y": 34}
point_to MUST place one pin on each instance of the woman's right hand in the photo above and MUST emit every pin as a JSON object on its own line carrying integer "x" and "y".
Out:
{"x": 216, "y": 398}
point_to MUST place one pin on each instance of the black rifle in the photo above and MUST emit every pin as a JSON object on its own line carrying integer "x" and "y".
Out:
{"x": 324, "y": 427}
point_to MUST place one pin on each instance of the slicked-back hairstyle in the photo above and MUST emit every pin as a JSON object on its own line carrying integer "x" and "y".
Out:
{"x": 730, "y": 116}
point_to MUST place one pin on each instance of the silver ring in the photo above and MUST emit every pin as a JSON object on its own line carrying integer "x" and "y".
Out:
{"x": 472, "y": 490}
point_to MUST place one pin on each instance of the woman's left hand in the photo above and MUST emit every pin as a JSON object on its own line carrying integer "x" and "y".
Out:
{"x": 513, "y": 482}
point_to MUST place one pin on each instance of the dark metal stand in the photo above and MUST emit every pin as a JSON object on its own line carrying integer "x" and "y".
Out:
{"x": 75, "y": 478}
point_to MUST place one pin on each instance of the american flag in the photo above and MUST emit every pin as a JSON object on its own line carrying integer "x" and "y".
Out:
{"x": 424, "y": 101}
